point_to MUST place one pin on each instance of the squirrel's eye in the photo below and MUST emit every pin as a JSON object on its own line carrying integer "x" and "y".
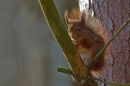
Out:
{"x": 79, "y": 29}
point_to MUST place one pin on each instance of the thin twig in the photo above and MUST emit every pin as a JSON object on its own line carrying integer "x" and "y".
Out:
{"x": 110, "y": 40}
{"x": 64, "y": 70}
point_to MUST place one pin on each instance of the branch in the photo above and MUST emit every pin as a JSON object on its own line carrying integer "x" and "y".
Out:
{"x": 110, "y": 40}
{"x": 81, "y": 81}
{"x": 60, "y": 34}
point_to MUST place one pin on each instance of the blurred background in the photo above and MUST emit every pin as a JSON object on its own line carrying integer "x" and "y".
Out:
{"x": 29, "y": 55}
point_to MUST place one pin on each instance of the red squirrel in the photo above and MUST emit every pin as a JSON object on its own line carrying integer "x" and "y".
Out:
{"x": 83, "y": 33}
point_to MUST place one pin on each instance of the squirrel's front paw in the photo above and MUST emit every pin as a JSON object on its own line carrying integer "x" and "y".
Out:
{"x": 76, "y": 43}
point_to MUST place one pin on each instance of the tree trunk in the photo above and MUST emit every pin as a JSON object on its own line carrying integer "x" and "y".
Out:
{"x": 112, "y": 14}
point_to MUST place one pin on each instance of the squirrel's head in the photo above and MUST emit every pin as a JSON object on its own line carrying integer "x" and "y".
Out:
{"x": 75, "y": 25}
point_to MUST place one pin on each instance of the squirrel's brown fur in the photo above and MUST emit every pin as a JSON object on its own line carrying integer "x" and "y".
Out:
{"x": 85, "y": 32}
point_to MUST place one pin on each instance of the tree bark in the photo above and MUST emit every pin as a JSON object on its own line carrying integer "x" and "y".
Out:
{"x": 112, "y": 14}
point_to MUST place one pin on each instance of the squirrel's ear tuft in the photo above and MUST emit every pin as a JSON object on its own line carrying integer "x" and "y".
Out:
{"x": 82, "y": 20}
{"x": 83, "y": 17}
{"x": 66, "y": 18}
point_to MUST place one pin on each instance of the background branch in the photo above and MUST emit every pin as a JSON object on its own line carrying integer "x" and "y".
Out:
{"x": 109, "y": 41}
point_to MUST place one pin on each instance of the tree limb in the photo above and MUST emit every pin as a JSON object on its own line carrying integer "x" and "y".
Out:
{"x": 59, "y": 32}
{"x": 109, "y": 41}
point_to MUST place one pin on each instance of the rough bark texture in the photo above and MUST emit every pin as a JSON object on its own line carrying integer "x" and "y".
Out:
{"x": 113, "y": 13}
